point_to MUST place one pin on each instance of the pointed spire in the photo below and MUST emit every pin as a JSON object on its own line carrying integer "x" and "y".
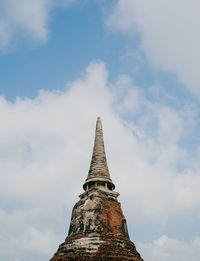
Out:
{"x": 98, "y": 172}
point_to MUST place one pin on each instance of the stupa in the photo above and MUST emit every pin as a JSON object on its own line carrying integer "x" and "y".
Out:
{"x": 98, "y": 228}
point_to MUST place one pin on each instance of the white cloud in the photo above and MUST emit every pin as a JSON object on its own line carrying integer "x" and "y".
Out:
{"x": 45, "y": 151}
{"x": 167, "y": 249}
{"x": 169, "y": 34}
{"x": 25, "y": 17}
{"x": 31, "y": 242}
{"x": 128, "y": 98}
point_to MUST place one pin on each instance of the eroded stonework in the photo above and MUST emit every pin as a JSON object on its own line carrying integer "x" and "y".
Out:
{"x": 98, "y": 230}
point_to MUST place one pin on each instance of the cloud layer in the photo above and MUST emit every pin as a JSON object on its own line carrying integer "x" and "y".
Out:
{"x": 46, "y": 145}
{"x": 167, "y": 249}
{"x": 26, "y": 18}
{"x": 169, "y": 34}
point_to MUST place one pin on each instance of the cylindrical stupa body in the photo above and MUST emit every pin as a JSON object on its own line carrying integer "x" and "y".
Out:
{"x": 98, "y": 228}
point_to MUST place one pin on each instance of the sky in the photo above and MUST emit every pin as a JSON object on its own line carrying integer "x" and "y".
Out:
{"x": 136, "y": 64}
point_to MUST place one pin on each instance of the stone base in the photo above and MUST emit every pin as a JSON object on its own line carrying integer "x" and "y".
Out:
{"x": 97, "y": 247}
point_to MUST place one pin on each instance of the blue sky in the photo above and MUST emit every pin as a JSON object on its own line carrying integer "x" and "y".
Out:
{"x": 135, "y": 63}
{"x": 77, "y": 35}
